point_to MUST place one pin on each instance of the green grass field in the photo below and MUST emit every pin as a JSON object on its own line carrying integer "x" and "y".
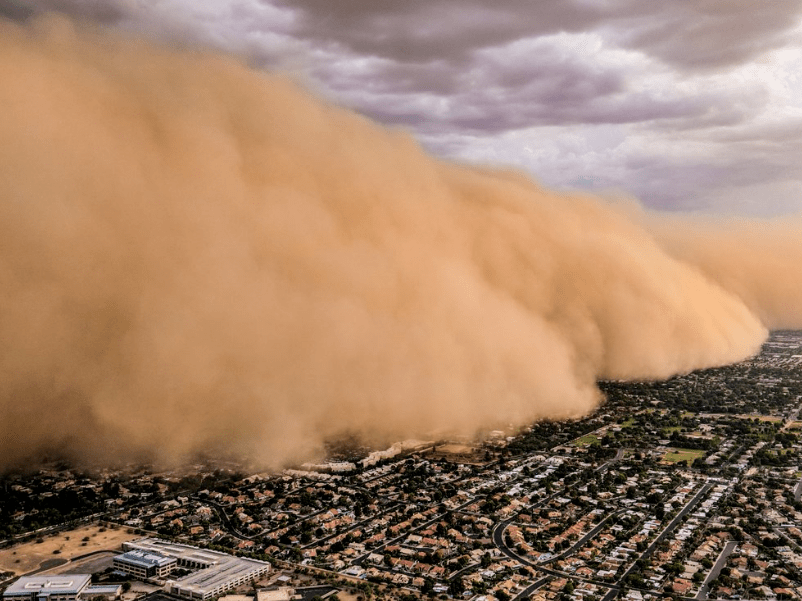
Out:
{"x": 677, "y": 455}
{"x": 587, "y": 440}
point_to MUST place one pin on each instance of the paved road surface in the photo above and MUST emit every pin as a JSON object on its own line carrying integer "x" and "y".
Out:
{"x": 716, "y": 569}
{"x": 578, "y": 544}
{"x": 531, "y": 589}
{"x": 798, "y": 491}
{"x": 689, "y": 506}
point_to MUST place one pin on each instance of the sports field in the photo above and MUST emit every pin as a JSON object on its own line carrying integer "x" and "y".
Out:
{"x": 586, "y": 440}
{"x": 677, "y": 455}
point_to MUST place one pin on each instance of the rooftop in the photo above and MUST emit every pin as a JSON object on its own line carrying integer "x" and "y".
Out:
{"x": 67, "y": 584}
{"x": 221, "y": 568}
{"x": 145, "y": 559}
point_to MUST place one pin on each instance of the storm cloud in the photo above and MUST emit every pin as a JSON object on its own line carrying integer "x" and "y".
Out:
{"x": 576, "y": 93}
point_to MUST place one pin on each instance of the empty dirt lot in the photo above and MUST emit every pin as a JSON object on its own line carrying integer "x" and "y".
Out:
{"x": 26, "y": 557}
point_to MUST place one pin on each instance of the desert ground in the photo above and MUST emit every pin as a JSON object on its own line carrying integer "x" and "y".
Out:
{"x": 57, "y": 550}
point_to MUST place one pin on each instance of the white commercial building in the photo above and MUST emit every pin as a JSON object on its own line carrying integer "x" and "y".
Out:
{"x": 216, "y": 572}
{"x": 64, "y": 587}
{"x": 144, "y": 564}
{"x": 48, "y": 588}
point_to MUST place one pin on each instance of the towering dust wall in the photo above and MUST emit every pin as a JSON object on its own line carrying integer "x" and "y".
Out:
{"x": 198, "y": 257}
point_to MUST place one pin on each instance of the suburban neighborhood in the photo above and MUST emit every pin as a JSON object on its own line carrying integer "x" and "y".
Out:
{"x": 686, "y": 488}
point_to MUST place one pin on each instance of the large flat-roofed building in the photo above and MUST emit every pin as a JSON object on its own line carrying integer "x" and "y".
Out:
{"x": 145, "y": 564}
{"x": 109, "y": 591}
{"x": 217, "y": 572}
{"x": 67, "y": 587}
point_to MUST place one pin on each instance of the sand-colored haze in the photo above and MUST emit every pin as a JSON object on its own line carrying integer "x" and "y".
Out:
{"x": 196, "y": 257}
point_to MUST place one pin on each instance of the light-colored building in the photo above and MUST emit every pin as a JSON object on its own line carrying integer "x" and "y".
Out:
{"x": 66, "y": 587}
{"x": 108, "y": 591}
{"x": 48, "y": 588}
{"x": 216, "y": 572}
{"x": 145, "y": 564}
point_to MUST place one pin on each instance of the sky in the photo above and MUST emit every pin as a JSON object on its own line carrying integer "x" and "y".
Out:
{"x": 686, "y": 105}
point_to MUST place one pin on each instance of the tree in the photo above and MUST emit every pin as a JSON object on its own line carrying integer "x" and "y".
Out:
{"x": 456, "y": 587}
{"x": 479, "y": 587}
{"x": 676, "y": 568}
{"x": 428, "y": 586}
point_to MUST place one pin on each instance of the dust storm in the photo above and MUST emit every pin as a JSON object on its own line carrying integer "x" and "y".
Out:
{"x": 200, "y": 257}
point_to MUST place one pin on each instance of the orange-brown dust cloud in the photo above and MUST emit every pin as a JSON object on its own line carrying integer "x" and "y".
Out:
{"x": 199, "y": 257}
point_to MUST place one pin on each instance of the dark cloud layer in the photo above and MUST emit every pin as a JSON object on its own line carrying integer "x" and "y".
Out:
{"x": 488, "y": 80}
{"x": 103, "y": 11}
{"x": 694, "y": 34}
{"x": 705, "y": 34}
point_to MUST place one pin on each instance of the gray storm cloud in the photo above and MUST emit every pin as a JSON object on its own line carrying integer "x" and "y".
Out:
{"x": 198, "y": 257}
